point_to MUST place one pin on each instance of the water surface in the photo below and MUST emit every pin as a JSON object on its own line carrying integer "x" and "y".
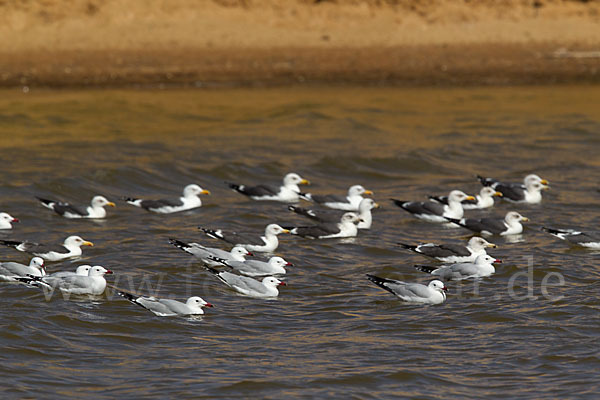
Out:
{"x": 331, "y": 333}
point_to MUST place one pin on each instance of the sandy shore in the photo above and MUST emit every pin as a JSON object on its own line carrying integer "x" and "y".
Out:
{"x": 267, "y": 42}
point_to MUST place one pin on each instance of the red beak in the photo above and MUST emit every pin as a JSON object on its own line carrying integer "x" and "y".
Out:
{"x": 250, "y": 254}
{"x": 15, "y": 220}
{"x": 498, "y": 261}
{"x": 282, "y": 284}
{"x": 208, "y": 305}
{"x": 445, "y": 289}
{"x": 289, "y": 264}
{"x": 108, "y": 272}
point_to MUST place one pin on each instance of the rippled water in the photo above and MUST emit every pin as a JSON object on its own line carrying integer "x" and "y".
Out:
{"x": 331, "y": 333}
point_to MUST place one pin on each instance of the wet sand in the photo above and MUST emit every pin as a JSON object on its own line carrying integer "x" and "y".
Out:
{"x": 270, "y": 43}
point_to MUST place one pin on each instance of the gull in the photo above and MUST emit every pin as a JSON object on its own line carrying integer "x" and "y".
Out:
{"x": 92, "y": 284}
{"x": 435, "y": 212}
{"x": 433, "y": 293}
{"x": 267, "y": 288}
{"x": 275, "y": 266}
{"x": 71, "y": 247}
{"x": 346, "y": 203}
{"x": 95, "y": 210}
{"x": 12, "y": 271}
{"x": 509, "y": 225}
{"x": 287, "y": 193}
{"x": 168, "y": 307}
{"x": 346, "y": 227}
{"x": 482, "y": 267}
{"x": 237, "y": 253}
{"x": 189, "y": 200}
{"x": 575, "y": 237}
{"x": 6, "y": 220}
{"x": 81, "y": 270}
{"x": 265, "y": 244}
{"x": 364, "y": 213}
{"x": 453, "y": 252}
{"x": 485, "y": 199}
{"x": 530, "y": 191}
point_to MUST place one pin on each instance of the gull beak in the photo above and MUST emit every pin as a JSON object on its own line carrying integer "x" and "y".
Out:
{"x": 369, "y": 192}
{"x": 207, "y": 192}
{"x": 15, "y": 220}
{"x": 208, "y": 305}
{"x": 376, "y": 205}
{"x": 492, "y": 245}
{"x": 470, "y": 198}
{"x": 86, "y": 243}
{"x": 249, "y": 254}
{"x": 496, "y": 261}
{"x": 499, "y": 194}
{"x": 282, "y": 284}
{"x": 544, "y": 182}
{"x": 108, "y": 272}
{"x": 110, "y": 203}
{"x": 289, "y": 264}
{"x": 285, "y": 230}
{"x": 305, "y": 182}
{"x": 445, "y": 289}
{"x": 524, "y": 219}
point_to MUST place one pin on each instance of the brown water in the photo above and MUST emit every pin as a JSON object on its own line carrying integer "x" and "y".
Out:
{"x": 331, "y": 333}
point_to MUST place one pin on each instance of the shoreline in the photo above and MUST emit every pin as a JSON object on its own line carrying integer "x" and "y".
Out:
{"x": 423, "y": 65}
{"x": 245, "y": 43}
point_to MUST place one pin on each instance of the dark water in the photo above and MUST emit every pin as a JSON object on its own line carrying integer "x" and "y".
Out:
{"x": 530, "y": 331}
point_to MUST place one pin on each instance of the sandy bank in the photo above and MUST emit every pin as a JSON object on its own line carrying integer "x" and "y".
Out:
{"x": 269, "y": 42}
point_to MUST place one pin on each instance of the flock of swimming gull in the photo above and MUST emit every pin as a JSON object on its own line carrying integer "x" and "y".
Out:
{"x": 337, "y": 216}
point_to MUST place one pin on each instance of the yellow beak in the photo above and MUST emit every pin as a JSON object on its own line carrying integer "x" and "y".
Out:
{"x": 205, "y": 192}
{"x": 305, "y": 182}
{"x": 525, "y": 219}
{"x": 110, "y": 203}
{"x": 499, "y": 194}
{"x": 86, "y": 243}
{"x": 285, "y": 230}
{"x": 492, "y": 245}
{"x": 369, "y": 192}
{"x": 544, "y": 182}
{"x": 376, "y": 205}
{"x": 469, "y": 198}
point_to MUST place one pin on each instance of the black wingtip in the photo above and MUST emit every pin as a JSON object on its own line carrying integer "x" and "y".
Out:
{"x": 10, "y": 243}
{"x": 27, "y": 280}
{"x": 177, "y": 243}
{"x": 454, "y": 220}
{"x": 127, "y": 296}
{"x": 425, "y": 268}
{"x": 128, "y": 199}
{"x": 551, "y": 230}
{"x": 212, "y": 270}
{"x": 399, "y": 203}
{"x": 211, "y": 233}
{"x": 43, "y": 200}
{"x": 218, "y": 259}
{"x": 407, "y": 246}
{"x": 236, "y": 187}
{"x": 485, "y": 181}
{"x": 380, "y": 282}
